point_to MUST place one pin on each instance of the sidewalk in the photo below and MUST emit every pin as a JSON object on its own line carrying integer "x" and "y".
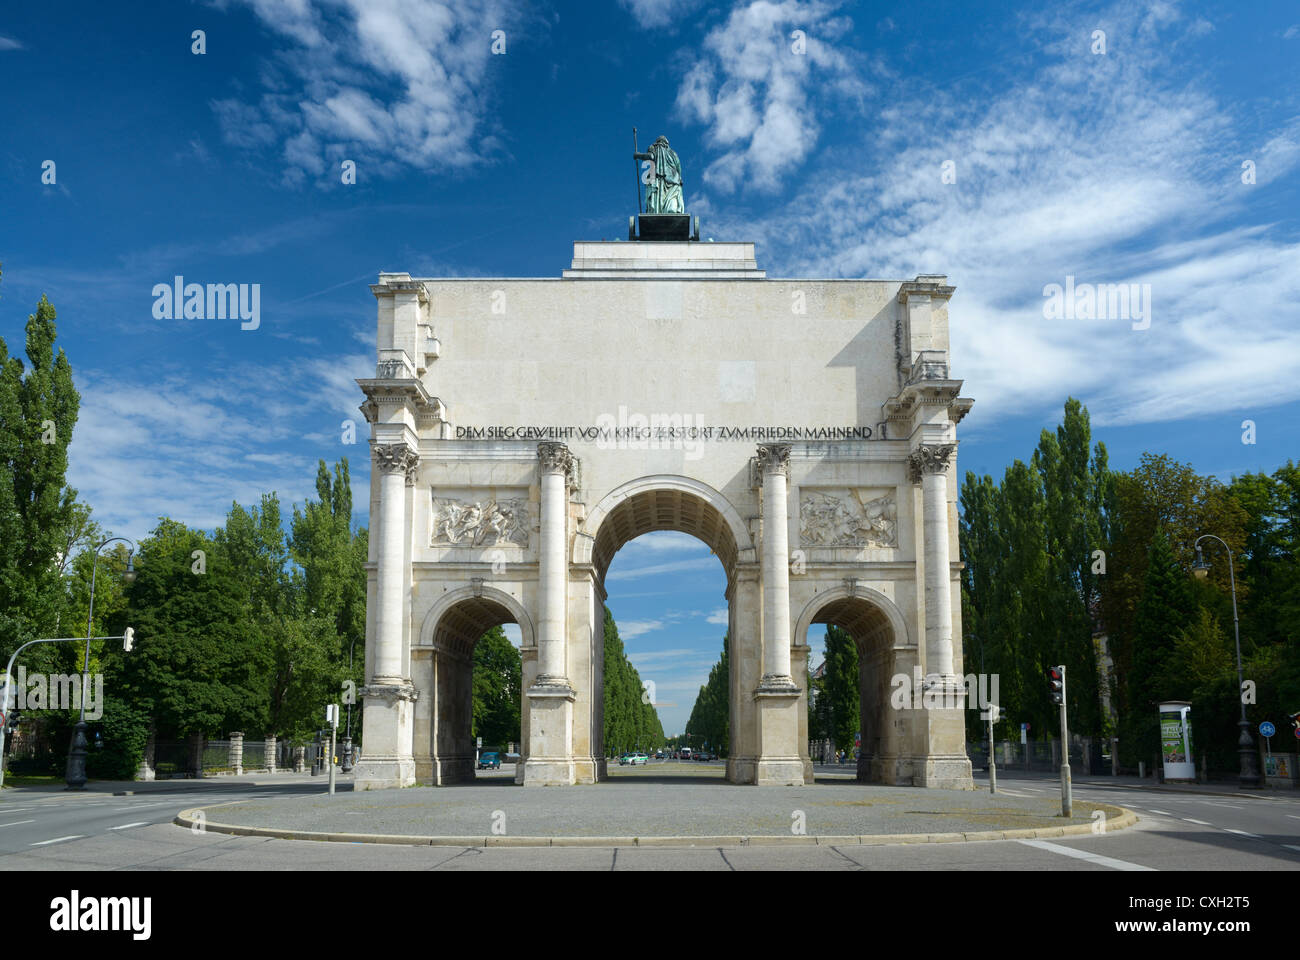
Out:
{"x": 181, "y": 785}
{"x": 1130, "y": 782}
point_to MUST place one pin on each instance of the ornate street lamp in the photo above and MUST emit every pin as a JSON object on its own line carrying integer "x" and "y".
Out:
{"x": 1249, "y": 775}
{"x": 75, "y": 774}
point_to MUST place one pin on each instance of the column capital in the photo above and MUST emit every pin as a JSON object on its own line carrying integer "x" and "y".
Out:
{"x": 396, "y": 457}
{"x": 555, "y": 457}
{"x": 929, "y": 458}
{"x": 774, "y": 458}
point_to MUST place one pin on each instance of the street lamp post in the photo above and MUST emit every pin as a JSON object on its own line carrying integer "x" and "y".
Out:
{"x": 75, "y": 774}
{"x": 1249, "y": 775}
{"x": 347, "y": 737}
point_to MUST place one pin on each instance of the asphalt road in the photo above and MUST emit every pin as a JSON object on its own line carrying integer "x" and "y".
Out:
{"x": 42, "y": 830}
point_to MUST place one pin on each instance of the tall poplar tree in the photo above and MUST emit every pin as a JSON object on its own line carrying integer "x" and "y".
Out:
{"x": 38, "y": 410}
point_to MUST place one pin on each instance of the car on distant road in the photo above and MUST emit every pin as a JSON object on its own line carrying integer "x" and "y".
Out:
{"x": 632, "y": 759}
{"x": 489, "y": 760}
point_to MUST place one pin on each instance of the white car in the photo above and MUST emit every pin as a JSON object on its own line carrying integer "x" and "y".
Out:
{"x": 632, "y": 759}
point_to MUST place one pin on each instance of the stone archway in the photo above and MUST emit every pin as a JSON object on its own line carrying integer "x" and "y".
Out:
{"x": 442, "y": 665}
{"x": 885, "y": 651}
{"x": 684, "y": 505}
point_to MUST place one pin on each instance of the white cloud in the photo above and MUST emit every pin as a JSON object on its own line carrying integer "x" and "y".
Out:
{"x": 752, "y": 89}
{"x": 656, "y": 14}
{"x": 7, "y": 43}
{"x": 718, "y": 616}
{"x": 676, "y": 566}
{"x": 631, "y": 629}
{"x": 1094, "y": 167}
{"x": 387, "y": 83}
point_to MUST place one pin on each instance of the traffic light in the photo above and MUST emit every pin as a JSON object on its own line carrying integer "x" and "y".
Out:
{"x": 128, "y": 639}
{"x": 11, "y": 722}
{"x": 1056, "y": 683}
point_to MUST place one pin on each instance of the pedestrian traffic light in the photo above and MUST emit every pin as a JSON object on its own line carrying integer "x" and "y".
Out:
{"x": 128, "y": 639}
{"x": 1056, "y": 683}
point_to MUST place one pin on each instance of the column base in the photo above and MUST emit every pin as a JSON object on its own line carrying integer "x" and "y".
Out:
{"x": 384, "y": 773}
{"x": 944, "y": 773}
{"x": 742, "y": 770}
{"x": 779, "y": 762}
{"x": 550, "y": 760}
{"x": 779, "y": 772}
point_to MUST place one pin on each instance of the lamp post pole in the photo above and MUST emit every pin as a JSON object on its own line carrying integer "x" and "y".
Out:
{"x": 75, "y": 773}
{"x": 1249, "y": 774}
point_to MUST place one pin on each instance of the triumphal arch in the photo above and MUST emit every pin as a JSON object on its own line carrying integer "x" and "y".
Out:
{"x": 523, "y": 430}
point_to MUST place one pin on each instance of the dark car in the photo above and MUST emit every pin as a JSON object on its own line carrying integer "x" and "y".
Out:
{"x": 489, "y": 760}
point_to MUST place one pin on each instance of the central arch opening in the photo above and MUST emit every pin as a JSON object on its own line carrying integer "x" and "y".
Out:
{"x": 665, "y": 559}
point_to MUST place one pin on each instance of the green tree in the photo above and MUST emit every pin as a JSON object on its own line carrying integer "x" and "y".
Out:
{"x": 38, "y": 410}
{"x": 841, "y": 687}
{"x": 199, "y": 664}
{"x": 710, "y": 720}
{"x": 498, "y": 689}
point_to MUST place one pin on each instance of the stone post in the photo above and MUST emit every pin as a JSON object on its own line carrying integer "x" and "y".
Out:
{"x": 236, "y": 752}
{"x": 777, "y": 696}
{"x": 389, "y": 695}
{"x": 196, "y": 755}
{"x": 147, "y": 770}
{"x": 551, "y": 696}
{"x": 270, "y": 755}
{"x": 299, "y": 759}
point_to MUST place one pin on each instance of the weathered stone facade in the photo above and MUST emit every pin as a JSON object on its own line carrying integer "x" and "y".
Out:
{"x": 478, "y": 521}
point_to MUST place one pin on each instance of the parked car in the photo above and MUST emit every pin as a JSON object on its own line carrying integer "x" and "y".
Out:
{"x": 511, "y": 758}
{"x": 489, "y": 760}
{"x": 640, "y": 758}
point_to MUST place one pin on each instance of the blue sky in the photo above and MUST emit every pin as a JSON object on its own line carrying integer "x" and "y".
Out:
{"x": 1123, "y": 166}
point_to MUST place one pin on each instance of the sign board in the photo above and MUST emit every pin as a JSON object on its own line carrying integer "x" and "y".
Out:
{"x": 1267, "y": 729}
{"x": 480, "y": 743}
{"x": 1176, "y": 740}
{"x": 1024, "y": 733}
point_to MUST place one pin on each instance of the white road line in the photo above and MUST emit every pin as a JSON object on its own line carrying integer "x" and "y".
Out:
{"x": 1291, "y": 846}
{"x": 1085, "y": 855}
{"x": 1226, "y": 806}
{"x": 75, "y": 836}
{"x": 128, "y": 826}
{"x": 1293, "y": 816}
{"x": 1243, "y": 833}
{"x": 1163, "y": 813}
{"x": 1012, "y": 793}
{"x": 16, "y": 822}
{"x": 1201, "y": 822}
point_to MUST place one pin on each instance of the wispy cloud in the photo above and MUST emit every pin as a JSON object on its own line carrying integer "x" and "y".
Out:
{"x": 8, "y": 43}
{"x": 390, "y": 84}
{"x": 759, "y": 84}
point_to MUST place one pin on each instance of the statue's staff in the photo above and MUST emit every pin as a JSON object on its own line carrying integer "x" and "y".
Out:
{"x": 636, "y": 166}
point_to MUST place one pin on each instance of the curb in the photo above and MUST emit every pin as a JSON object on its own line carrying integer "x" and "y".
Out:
{"x": 1117, "y": 818}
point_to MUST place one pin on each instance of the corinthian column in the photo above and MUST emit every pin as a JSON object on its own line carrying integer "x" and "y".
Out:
{"x": 929, "y": 463}
{"x": 774, "y": 461}
{"x": 395, "y": 462}
{"x": 556, "y": 463}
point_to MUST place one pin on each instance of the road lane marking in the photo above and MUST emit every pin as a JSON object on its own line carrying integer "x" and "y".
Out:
{"x": 1201, "y": 822}
{"x": 16, "y": 823}
{"x": 128, "y": 826}
{"x": 43, "y": 843}
{"x": 1163, "y": 813}
{"x": 1291, "y": 846}
{"x": 1243, "y": 833}
{"x": 1086, "y": 855}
